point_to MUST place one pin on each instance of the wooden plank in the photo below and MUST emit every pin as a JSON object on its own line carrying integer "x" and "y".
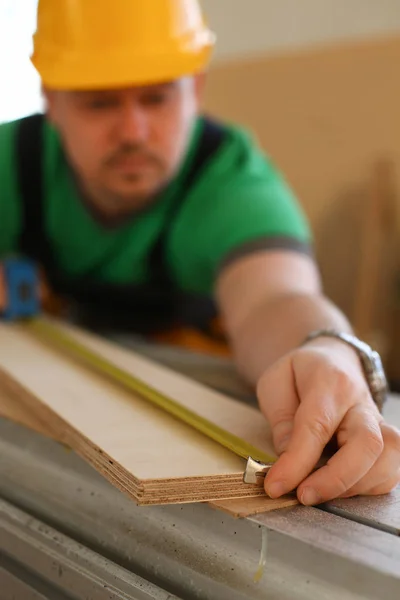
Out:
{"x": 240, "y": 419}
{"x": 142, "y": 450}
{"x": 246, "y": 507}
{"x": 239, "y": 508}
{"x": 380, "y": 512}
{"x": 11, "y": 409}
{"x": 217, "y": 372}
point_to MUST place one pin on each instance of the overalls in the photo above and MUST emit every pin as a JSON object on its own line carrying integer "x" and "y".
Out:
{"x": 157, "y": 308}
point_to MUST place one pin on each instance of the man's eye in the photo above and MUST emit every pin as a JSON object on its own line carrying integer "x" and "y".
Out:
{"x": 156, "y": 98}
{"x": 100, "y": 104}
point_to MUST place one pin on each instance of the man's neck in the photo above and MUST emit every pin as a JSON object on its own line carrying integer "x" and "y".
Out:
{"x": 105, "y": 210}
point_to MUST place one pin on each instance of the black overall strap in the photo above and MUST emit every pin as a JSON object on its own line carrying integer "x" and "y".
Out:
{"x": 155, "y": 304}
{"x": 33, "y": 240}
{"x": 185, "y": 308}
{"x": 212, "y": 137}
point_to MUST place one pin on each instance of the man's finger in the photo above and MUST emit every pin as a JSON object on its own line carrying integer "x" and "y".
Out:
{"x": 278, "y": 401}
{"x": 386, "y": 486}
{"x": 315, "y": 423}
{"x": 350, "y": 464}
{"x": 385, "y": 474}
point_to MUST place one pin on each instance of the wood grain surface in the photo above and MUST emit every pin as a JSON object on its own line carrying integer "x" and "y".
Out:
{"x": 139, "y": 448}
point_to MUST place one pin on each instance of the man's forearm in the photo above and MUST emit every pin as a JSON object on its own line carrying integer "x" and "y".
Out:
{"x": 279, "y": 326}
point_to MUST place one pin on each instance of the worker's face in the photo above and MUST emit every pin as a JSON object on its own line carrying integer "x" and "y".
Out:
{"x": 125, "y": 145}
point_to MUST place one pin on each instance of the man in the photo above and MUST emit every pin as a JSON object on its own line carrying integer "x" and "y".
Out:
{"x": 142, "y": 213}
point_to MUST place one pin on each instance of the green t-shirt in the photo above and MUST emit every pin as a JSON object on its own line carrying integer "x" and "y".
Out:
{"x": 239, "y": 203}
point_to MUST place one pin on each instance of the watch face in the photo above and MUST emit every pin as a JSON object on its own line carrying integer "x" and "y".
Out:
{"x": 377, "y": 375}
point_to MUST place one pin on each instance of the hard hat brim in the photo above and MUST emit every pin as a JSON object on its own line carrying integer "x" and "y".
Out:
{"x": 115, "y": 70}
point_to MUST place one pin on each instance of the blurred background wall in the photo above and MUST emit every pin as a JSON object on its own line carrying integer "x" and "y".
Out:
{"x": 318, "y": 83}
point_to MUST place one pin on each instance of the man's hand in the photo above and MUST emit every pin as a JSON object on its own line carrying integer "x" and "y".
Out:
{"x": 311, "y": 395}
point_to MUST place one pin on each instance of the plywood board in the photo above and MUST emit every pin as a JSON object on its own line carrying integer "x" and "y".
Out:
{"x": 238, "y": 418}
{"x": 11, "y": 409}
{"x": 139, "y": 448}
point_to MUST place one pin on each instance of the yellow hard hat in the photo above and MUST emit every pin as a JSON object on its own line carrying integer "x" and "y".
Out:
{"x": 89, "y": 44}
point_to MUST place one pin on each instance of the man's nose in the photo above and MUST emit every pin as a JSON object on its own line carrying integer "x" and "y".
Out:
{"x": 133, "y": 123}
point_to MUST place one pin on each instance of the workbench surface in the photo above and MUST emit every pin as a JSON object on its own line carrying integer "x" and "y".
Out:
{"x": 66, "y": 533}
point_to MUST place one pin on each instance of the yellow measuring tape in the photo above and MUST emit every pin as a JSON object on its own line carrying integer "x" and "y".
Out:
{"x": 51, "y": 333}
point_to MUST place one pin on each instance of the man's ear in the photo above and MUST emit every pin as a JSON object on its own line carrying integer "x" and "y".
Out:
{"x": 199, "y": 83}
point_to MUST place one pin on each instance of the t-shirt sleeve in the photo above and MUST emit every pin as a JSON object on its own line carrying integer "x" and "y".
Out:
{"x": 9, "y": 197}
{"x": 243, "y": 204}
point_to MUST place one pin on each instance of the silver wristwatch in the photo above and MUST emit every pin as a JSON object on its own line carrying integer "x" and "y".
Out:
{"x": 370, "y": 360}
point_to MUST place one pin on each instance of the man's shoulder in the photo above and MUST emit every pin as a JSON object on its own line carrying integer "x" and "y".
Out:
{"x": 240, "y": 204}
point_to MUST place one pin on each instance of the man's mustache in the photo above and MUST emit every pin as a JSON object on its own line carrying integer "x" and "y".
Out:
{"x": 130, "y": 151}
